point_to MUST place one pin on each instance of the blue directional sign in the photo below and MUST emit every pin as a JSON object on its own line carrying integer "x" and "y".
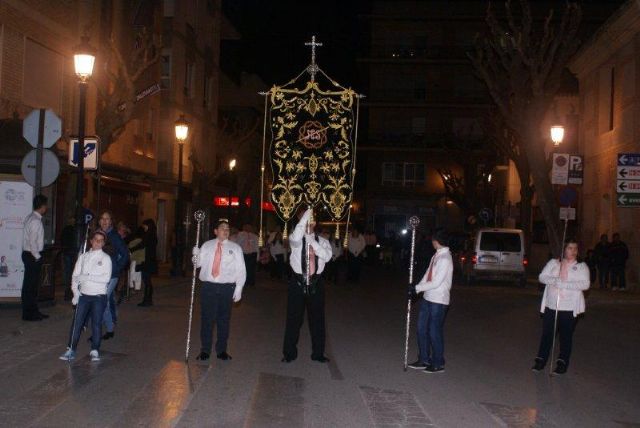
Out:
{"x": 91, "y": 147}
{"x": 628, "y": 159}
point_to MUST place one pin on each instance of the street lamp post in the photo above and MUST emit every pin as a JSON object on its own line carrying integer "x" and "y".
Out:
{"x": 232, "y": 165}
{"x": 83, "y": 61}
{"x": 182, "y": 132}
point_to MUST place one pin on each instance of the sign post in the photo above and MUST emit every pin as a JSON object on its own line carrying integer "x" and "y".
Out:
{"x": 628, "y": 180}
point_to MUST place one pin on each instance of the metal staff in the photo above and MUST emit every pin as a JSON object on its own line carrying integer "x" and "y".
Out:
{"x": 413, "y": 222}
{"x": 555, "y": 321}
{"x": 307, "y": 279}
{"x": 75, "y": 310}
{"x": 199, "y": 216}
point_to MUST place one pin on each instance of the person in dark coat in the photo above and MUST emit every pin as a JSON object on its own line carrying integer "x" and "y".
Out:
{"x": 601, "y": 253}
{"x": 150, "y": 265}
{"x": 618, "y": 255}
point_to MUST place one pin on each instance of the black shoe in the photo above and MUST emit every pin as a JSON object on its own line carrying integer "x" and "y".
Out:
{"x": 431, "y": 369}
{"x": 287, "y": 359}
{"x": 108, "y": 335}
{"x": 224, "y": 356}
{"x": 321, "y": 359}
{"x": 32, "y": 318}
{"x": 418, "y": 365}
{"x": 43, "y": 316}
{"x": 561, "y": 368}
{"x": 538, "y": 366}
{"x": 145, "y": 303}
{"x": 89, "y": 339}
{"x": 203, "y": 356}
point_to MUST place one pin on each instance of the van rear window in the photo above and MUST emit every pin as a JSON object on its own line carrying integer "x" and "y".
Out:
{"x": 500, "y": 241}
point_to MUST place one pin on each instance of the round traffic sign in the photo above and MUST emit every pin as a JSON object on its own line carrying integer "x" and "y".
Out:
{"x": 52, "y": 128}
{"x": 50, "y": 167}
{"x": 568, "y": 196}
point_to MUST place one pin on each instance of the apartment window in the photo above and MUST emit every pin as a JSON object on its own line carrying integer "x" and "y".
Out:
{"x": 403, "y": 174}
{"x": 189, "y": 74}
{"x": 418, "y": 126}
{"x": 420, "y": 90}
{"x": 165, "y": 76}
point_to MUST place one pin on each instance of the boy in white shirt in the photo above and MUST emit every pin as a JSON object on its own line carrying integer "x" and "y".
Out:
{"x": 436, "y": 286}
{"x": 223, "y": 275}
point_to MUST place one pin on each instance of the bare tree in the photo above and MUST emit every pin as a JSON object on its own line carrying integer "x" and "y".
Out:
{"x": 506, "y": 142}
{"x": 469, "y": 190}
{"x": 522, "y": 66}
{"x": 117, "y": 92}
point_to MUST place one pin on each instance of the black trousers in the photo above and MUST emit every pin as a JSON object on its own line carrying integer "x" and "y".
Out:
{"x": 566, "y": 326}
{"x": 297, "y": 302}
{"x": 354, "y": 265}
{"x": 30, "y": 283}
{"x": 250, "y": 262}
{"x": 618, "y": 277}
{"x": 215, "y": 306}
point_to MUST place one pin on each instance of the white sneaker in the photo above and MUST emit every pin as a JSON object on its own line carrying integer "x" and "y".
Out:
{"x": 94, "y": 355}
{"x": 68, "y": 355}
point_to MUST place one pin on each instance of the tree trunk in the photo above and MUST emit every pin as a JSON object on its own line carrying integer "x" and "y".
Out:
{"x": 544, "y": 190}
{"x": 526, "y": 195}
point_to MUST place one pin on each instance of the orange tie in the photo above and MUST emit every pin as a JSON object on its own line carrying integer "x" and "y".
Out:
{"x": 216, "y": 260}
{"x": 433, "y": 263}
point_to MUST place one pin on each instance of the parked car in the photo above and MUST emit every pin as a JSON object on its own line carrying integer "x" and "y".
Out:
{"x": 497, "y": 254}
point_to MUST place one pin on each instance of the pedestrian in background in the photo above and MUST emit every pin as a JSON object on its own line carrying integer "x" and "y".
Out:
{"x": 248, "y": 241}
{"x": 150, "y": 266}
{"x": 563, "y": 298}
{"x": 32, "y": 246}
{"x": 618, "y": 255}
{"x": 356, "y": 248}
{"x": 277, "y": 251}
{"x": 91, "y": 276}
{"x": 123, "y": 282}
{"x": 119, "y": 261}
{"x": 601, "y": 254}
{"x": 436, "y": 286}
{"x": 223, "y": 274}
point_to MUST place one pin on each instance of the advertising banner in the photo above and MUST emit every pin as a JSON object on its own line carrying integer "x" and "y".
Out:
{"x": 16, "y": 200}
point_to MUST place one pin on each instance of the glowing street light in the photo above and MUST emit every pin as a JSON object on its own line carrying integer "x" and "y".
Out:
{"x": 557, "y": 134}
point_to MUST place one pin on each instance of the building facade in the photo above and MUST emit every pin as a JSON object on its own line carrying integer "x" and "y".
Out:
{"x": 607, "y": 69}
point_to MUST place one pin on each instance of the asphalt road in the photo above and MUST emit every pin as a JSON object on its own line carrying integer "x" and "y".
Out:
{"x": 491, "y": 335}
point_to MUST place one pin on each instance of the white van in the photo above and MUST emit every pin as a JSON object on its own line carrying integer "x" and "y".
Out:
{"x": 497, "y": 254}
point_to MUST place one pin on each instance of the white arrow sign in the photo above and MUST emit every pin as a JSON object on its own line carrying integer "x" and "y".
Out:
{"x": 628, "y": 173}
{"x": 628, "y": 186}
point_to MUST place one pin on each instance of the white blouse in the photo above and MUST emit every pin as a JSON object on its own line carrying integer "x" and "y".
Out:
{"x": 564, "y": 295}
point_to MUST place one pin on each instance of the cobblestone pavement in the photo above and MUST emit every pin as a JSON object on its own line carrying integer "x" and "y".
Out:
{"x": 491, "y": 334}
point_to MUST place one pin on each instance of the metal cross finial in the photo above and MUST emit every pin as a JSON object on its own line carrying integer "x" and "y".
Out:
{"x": 313, "y": 67}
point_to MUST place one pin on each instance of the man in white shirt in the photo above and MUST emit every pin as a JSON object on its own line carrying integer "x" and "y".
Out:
{"x": 223, "y": 273}
{"x": 32, "y": 246}
{"x": 356, "y": 248}
{"x": 301, "y": 295}
{"x": 436, "y": 286}
{"x": 248, "y": 241}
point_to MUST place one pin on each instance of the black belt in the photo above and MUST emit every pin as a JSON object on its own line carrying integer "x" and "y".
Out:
{"x": 220, "y": 283}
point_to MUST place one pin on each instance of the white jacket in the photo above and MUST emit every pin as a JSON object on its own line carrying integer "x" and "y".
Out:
{"x": 578, "y": 280}
{"x": 91, "y": 273}
{"x": 438, "y": 290}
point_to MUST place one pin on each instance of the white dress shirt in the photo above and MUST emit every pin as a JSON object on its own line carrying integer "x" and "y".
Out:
{"x": 356, "y": 245}
{"x": 33, "y": 234}
{"x": 91, "y": 273}
{"x": 232, "y": 268}
{"x": 569, "y": 292}
{"x": 321, "y": 247}
{"x": 438, "y": 290}
{"x": 248, "y": 241}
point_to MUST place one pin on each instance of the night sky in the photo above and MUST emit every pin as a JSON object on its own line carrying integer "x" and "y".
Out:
{"x": 274, "y": 33}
